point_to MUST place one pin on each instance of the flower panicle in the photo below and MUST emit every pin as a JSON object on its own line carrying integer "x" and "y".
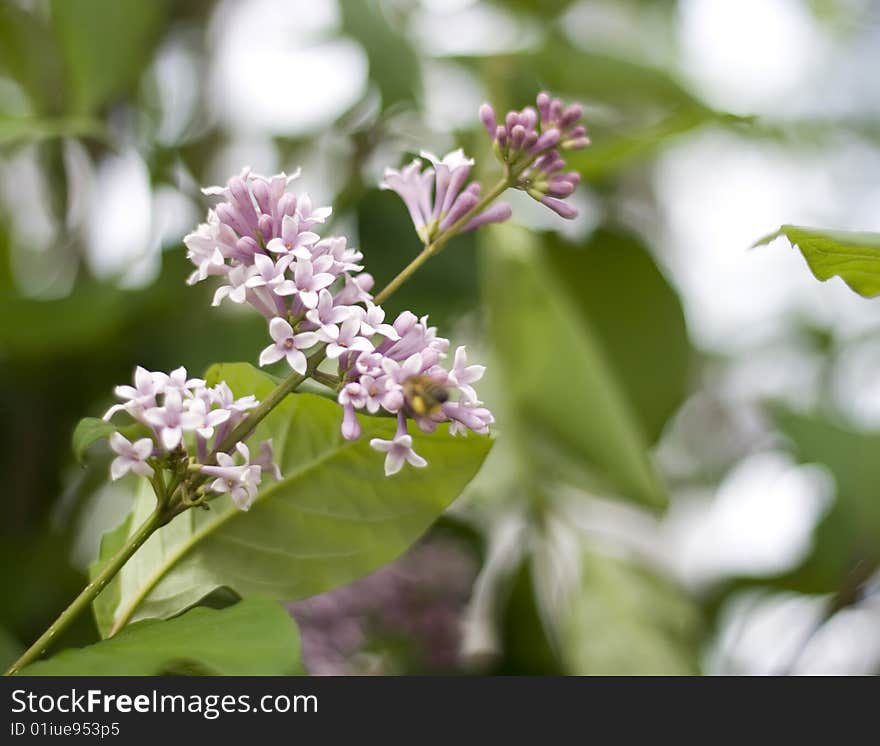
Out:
{"x": 315, "y": 294}
{"x": 187, "y": 420}
{"x": 530, "y": 144}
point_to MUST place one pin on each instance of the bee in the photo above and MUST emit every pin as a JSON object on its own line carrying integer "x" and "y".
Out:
{"x": 424, "y": 396}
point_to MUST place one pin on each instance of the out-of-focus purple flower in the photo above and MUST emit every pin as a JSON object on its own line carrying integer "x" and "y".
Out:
{"x": 415, "y": 189}
{"x": 130, "y": 457}
{"x": 437, "y": 198}
{"x": 529, "y": 142}
{"x": 420, "y": 599}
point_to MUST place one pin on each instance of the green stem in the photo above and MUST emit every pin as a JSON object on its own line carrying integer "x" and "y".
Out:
{"x": 90, "y": 592}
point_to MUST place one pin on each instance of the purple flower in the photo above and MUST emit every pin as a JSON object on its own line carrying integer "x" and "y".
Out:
{"x": 287, "y": 345}
{"x": 309, "y": 278}
{"x": 266, "y": 460}
{"x": 398, "y": 451}
{"x": 142, "y": 395}
{"x": 414, "y": 188}
{"x": 327, "y": 317}
{"x": 528, "y": 143}
{"x": 373, "y": 322}
{"x": 131, "y": 457}
{"x": 294, "y": 239}
{"x": 235, "y": 290}
{"x": 268, "y": 274}
{"x": 462, "y": 375}
{"x": 349, "y": 340}
{"x": 438, "y": 199}
{"x": 239, "y": 480}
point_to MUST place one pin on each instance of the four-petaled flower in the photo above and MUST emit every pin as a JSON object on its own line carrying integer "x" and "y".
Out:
{"x": 130, "y": 457}
{"x": 399, "y": 450}
{"x": 287, "y": 344}
{"x": 349, "y": 340}
{"x": 309, "y": 278}
{"x": 327, "y": 316}
{"x": 239, "y": 480}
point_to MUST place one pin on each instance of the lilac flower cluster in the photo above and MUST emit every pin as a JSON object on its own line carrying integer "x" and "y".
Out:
{"x": 172, "y": 407}
{"x": 314, "y": 293}
{"x": 437, "y": 198}
{"x": 402, "y": 375}
{"x": 529, "y": 142}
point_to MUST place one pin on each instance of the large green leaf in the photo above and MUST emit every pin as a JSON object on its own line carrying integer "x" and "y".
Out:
{"x": 567, "y": 408}
{"x": 846, "y": 543}
{"x": 254, "y": 637}
{"x": 625, "y": 620}
{"x": 105, "y": 45}
{"x": 332, "y": 518}
{"x": 636, "y": 315}
{"x": 854, "y": 257}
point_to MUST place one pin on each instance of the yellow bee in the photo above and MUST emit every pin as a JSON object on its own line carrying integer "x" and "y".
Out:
{"x": 424, "y": 396}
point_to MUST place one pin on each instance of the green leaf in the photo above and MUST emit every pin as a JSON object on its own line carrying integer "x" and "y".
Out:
{"x": 847, "y": 539}
{"x": 394, "y": 66}
{"x": 28, "y": 54}
{"x": 525, "y": 646}
{"x": 636, "y": 315}
{"x": 567, "y": 409}
{"x": 333, "y": 517}
{"x": 105, "y": 45}
{"x": 30, "y": 129}
{"x": 854, "y": 257}
{"x": 594, "y": 77}
{"x": 253, "y": 637}
{"x": 88, "y": 430}
{"x": 625, "y": 620}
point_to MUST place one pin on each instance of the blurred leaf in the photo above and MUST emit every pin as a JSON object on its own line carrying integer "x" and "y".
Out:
{"x": 254, "y": 637}
{"x": 29, "y": 56}
{"x": 635, "y": 314}
{"x": 91, "y": 313}
{"x": 394, "y": 66}
{"x": 847, "y": 539}
{"x": 625, "y": 620}
{"x": 87, "y": 431}
{"x": 593, "y": 77}
{"x": 545, "y": 8}
{"x": 10, "y": 648}
{"x": 106, "y": 44}
{"x": 615, "y": 147}
{"x": 855, "y": 257}
{"x": 26, "y": 129}
{"x": 525, "y": 646}
{"x": 567, "y": 404}
{"x": 333, "y": 517}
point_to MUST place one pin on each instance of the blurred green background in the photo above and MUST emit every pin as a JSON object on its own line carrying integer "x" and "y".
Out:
{"x": 685, "y": 479}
